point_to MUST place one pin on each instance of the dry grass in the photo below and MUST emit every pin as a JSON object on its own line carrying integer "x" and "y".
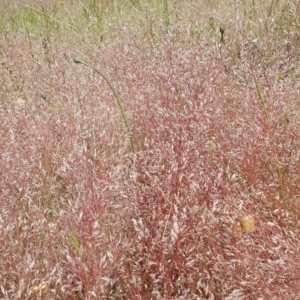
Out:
{"x": 215, "y": 126}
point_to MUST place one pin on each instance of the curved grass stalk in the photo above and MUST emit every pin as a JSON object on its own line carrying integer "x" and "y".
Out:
{"x": 79, "y": 61}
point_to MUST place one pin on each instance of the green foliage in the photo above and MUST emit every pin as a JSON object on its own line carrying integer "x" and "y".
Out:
{"x": 93, "y": 11}
{"x": 2, "y": 23}
{"x": 262, "y": 99}
{"x": 166, "y": 15}
{"x": 75, "y": 241}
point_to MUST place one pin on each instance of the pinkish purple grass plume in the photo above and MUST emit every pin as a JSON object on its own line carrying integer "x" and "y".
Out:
{"x": 82, "y": 217}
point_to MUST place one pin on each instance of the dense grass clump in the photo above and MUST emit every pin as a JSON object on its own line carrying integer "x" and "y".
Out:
{"x": 164, "y": 164}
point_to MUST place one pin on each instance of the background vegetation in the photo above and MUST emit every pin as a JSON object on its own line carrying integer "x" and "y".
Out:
{"x": 136, "y": 185}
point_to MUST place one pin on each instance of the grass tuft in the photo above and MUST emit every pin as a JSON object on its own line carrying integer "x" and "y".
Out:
{"x": 208, "y": 92}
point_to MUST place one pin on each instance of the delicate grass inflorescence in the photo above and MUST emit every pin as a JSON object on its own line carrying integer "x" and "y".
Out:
{"x": 204, "y": 204}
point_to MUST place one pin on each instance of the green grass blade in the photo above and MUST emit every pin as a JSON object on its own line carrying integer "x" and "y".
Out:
{"x": 262, "y": 99}
{"x": 75, "y": 241}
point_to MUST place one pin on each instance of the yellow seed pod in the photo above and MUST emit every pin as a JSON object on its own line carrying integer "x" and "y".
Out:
{"x": 238, "y": 228}
{"x": 248, "y": 224}
{"x": 245, "y": 224}
{"x": 19, "y": 102}
{"x": 44, "y": 287}
{"x": 36, "y": 289}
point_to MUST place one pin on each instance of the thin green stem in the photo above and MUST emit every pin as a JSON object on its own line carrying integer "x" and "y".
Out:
{"x": 74, "y": 239}
{"x": 278, "y": 164}
{"x": 166, "y": 15}
{"x": 262, "y": 99}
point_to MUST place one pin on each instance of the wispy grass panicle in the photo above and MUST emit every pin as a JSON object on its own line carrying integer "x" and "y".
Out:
{"x": 211, "y": 208}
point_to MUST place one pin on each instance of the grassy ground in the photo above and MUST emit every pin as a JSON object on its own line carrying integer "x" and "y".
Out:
{"x": 141, "y": 176}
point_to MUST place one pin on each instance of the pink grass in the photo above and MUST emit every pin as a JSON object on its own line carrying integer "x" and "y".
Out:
{"x": 83, "y": 215}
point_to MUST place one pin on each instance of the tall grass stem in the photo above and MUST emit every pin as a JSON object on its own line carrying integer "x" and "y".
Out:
{"x": 79, "y": 61}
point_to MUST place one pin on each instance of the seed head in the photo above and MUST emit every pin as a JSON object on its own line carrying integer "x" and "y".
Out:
{"x": 245, "y": 224}
{"x": 77, "y": 60}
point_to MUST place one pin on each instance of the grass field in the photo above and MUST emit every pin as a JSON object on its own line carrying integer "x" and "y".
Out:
{"x": 150, "y": 149}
